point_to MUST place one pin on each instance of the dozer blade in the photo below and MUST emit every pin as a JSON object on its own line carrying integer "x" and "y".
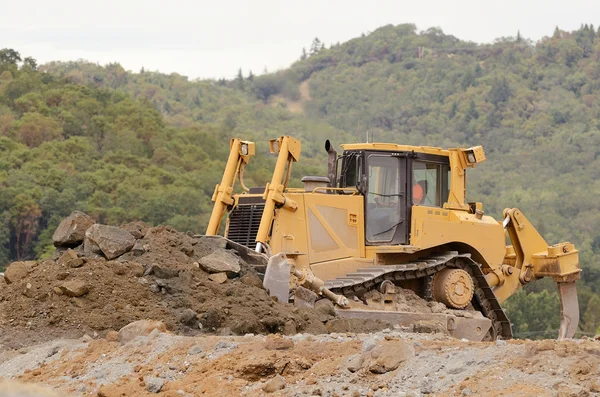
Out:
{"x": 474, "y": 329}
{"x": 569, "y": 309}
{"x": 277, "y": 277}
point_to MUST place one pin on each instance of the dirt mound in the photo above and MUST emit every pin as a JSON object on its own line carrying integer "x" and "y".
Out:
{"x": 80, "y": 291}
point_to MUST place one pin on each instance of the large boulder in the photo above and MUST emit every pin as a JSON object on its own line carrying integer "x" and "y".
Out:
{"x": 71, "y": 231}
{"x": 221, "y": 261}
{"x": 17, "y": 271}
{"x": 388, "y": 355}
{"x": 111, "y": 240}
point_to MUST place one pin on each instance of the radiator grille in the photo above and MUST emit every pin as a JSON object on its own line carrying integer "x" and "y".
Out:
{"x": 244, "y": 221}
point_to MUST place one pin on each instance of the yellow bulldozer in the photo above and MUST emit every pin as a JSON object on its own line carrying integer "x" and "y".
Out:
{"x": 389, "y": 216}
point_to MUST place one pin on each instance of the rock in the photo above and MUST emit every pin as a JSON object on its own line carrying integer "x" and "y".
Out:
{"x": 572, "y": 390}
{"x": 163, "y": 272}
{"x": 325, "y": 306}
{"x": 354, "y": 362}
{"x": 500, "y": 342}
{"x": 388, "y": 356}
{"x": 28, "y": 290}
{"x": 369, "y": 344}
{"x": 58, "y": 291}
{"x": 194, "y": 350}
{"x": 71, "y": 231}
{"x": 17, "y": 271}
{"x": 75, "y": 263}
{"x": 140, "y": 328}
{"x": 275, "y": 384}
{"x": 111, "y": 240}
{"x": 214, "y": 241}
{"x": 277, "y": 342}
{"x": 221, "y": 261}
{"x": 62, "y": 275}
{"x": 74, "y": 288}
{"x": 137, "y": 229}
{"x": 289, "y": 328}
{"x": 66, "y": 257}
{"x": 138, "y": 248}
{"x": 112, "y": 336}
{"x": 153, "y": 384}
{"x": 187, "y": 249}
{"x": 252, "y": 280}
{"x": 225, "y": 345}
{"x": 136, "y": 269}
{"x": 218, "y": 278}
{"x": 188, "y": 316}
{"x": 91, "y": 249}
{"x": 304, "y": 297}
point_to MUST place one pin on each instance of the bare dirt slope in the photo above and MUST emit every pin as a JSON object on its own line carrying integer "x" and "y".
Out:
{"x": 390, "y": 363}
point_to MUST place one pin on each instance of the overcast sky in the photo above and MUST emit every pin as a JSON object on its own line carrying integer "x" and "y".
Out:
{"x": 212, "y": 39}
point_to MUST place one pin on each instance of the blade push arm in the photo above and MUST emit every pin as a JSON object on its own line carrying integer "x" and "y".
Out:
{"x": 289, "y": 152}
{"x": 239, "y": 155}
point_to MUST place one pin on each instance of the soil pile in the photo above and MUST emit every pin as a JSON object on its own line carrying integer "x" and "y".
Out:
{"x": 161, "y": 275}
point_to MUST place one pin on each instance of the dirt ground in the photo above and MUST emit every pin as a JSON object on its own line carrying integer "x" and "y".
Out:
{"x": 437, "y": 365}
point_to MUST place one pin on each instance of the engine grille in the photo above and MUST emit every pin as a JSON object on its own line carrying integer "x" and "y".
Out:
{"x": 244, "y": 221}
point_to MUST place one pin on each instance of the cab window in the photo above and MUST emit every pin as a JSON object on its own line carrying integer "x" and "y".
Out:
{"x": 430, "y": 183}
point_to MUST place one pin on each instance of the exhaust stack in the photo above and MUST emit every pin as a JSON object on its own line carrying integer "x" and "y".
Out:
{"x": 331, "y": 164}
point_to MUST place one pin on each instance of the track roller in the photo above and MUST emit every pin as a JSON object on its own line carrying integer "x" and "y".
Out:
{"x": 453, "y": 287}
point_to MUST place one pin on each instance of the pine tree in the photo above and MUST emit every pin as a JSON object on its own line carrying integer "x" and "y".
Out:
{"x": 519, "y": 38}
{"x": 304, "y": 55}
{"x": 239, "y": 80}
{"x": 167, "y": 107}
{"x": 556, "y": 34}
{"x": 316, "y": 46}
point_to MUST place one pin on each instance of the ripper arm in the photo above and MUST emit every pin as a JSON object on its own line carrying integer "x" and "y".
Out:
{"x": 529, "y": 258}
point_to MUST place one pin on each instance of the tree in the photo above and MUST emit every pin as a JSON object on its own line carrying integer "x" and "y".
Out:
{"x": 304, "y": 55}
{"x": 472, "y": 112}
{"x": 8, "y": 55}
{"x": 316, "y": 46}
{"x": 591, "y": 317}
{"x": 239, "y": 80}
{"x": 500, "y": 91}
{"x": 35, "y": 129}
{"x": 30, "y": 63}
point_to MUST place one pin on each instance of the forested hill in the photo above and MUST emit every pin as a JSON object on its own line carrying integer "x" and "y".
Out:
{"x": 143, "y": 145}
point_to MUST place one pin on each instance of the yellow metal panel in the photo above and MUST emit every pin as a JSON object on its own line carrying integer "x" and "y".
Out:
{"x": 333, "y": 213}
{"x": 290, "y": 233}
{"x": 431, "y": 228}
{"x": 392, "y": 147}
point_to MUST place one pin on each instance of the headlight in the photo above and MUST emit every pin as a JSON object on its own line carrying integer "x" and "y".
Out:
{"x": 471, "y": 157}
{"x": 244, "y": 149}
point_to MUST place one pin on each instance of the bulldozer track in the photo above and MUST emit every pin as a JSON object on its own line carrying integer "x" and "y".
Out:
{"x": 484, "y": 300}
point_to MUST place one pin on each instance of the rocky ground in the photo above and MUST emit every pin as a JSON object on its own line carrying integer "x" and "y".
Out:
{"x": 386, "y": 363}
{"x": 134, "y": 311}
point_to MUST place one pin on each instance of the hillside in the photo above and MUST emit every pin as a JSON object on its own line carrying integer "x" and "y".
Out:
{"x": 123, "y": 145}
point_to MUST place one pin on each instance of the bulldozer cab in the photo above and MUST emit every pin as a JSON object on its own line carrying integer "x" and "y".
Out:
{"x": 392, "y": 182}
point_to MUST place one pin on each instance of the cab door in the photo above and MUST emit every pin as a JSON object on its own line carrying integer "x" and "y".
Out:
{"x": 386, "y": 220}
